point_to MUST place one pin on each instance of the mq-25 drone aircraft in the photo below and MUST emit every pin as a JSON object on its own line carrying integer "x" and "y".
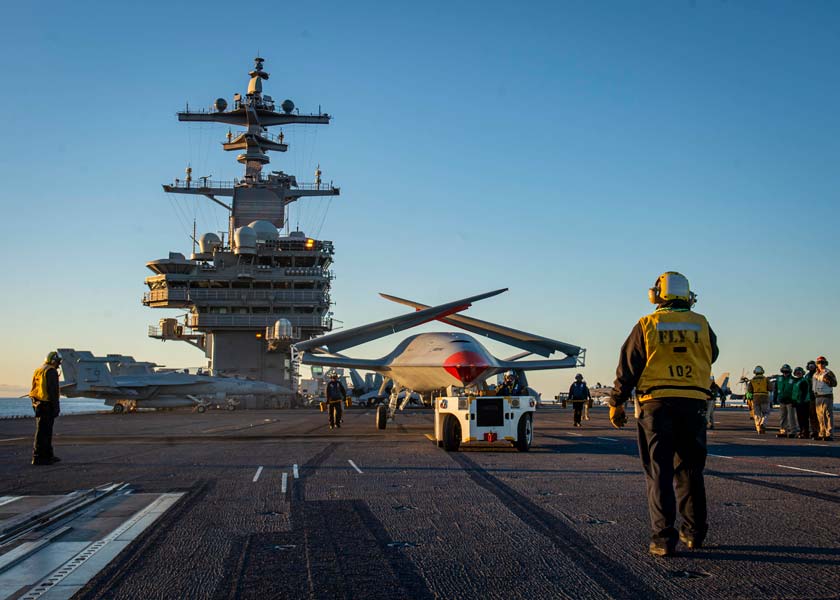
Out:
{"x": 431, "y": 361}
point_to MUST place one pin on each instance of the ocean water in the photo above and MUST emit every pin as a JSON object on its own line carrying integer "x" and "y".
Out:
{"x": 22, "y": 407}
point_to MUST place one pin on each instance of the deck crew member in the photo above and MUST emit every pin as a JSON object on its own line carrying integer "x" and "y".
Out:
{"x": 335, "y": 397}
{"x": 811, "y": 368}
{"x": 668, "y": 358}
{"x": 801, "y": 402}
{"x": 579, "y": 395}
{"x": 45, "y": 402}
{"x": 824, "y": 383}
{"x": 510, "y": 386}
{"x": 758, "y": 391}
{"x": 714, "y": 390}
{"x": 784, "y": 396}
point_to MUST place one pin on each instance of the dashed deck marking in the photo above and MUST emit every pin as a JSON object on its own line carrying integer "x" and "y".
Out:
{"x": 13, "y": 439}
{"x": 257, "y": 474}
{"x": 809, "y": 471}
{"x": 352, "y": 464}
{"x": 753, "y": 439}
{"x": 574, "y": 434}
{"x": 284, "y": 482}
{"x": 295, "y": 472}
{"x": 608, "y": 439}
{"x": 720, "y": 456}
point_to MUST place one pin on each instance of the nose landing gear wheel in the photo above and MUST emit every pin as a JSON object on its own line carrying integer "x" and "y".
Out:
{"x": 381, "y": 417}
{"x": 118, "y": 408}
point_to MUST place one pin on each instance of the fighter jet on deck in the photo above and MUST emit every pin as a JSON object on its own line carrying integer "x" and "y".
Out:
{"x": 122, "y": 381}
{"x": 431, "y": 361}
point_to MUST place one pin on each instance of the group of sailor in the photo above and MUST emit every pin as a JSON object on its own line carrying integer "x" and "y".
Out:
{"x": 805, "y": 398}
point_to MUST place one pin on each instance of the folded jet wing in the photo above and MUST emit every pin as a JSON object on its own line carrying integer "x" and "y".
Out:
{"x": 535, "y": 344}
{"x": 348, "y": 338}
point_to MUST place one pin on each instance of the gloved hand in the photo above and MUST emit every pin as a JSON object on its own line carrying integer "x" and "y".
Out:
{"x": 618, "y": 417}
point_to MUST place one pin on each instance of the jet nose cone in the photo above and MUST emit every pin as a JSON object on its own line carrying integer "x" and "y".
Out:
{"x": 466, "y": 367}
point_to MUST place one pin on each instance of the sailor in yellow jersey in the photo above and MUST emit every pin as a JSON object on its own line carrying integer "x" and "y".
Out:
{"x": 668, "y": 360}
{"x": 45, "y": 402}
{"x": 758, "y": 392}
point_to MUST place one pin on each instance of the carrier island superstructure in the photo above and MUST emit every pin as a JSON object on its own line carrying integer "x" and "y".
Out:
{"x": 252, "y": 295}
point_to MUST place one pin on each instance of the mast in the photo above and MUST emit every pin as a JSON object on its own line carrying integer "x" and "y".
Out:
{"x": 255, "y": 196}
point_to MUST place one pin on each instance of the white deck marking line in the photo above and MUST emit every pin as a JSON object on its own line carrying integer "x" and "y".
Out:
{"x": 720, "y": 456}
{"x": 574, "y": 434}
{"x": 818, "y": 445}
{"x": 755, "y": 439}
{"x": 295, "y": 472}
{"x": 352, "y": 464}
{"x": 809, "y": 471}
{"x": 257, "y": 474}
{"x": 7, "y": 499}
{"x": 608, "y": 439}
{"x": 284, "y": 483}
{"x": 13, "y": 439}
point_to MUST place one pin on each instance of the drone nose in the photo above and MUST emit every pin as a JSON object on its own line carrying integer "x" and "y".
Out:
{"x": 466, "y": 367}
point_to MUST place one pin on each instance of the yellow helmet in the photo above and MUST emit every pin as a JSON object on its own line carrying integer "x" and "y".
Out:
{"x": 671, "y": 286}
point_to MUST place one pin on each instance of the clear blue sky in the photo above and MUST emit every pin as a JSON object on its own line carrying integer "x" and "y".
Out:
{"x": 569, "y": 151}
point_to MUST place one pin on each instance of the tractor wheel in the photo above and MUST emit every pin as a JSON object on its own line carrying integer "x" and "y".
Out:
{"x": 451, "y": 433}
{"x": 525, "y": 433}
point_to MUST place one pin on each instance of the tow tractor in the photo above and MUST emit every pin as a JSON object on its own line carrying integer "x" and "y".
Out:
{"x": 484, "y": 419}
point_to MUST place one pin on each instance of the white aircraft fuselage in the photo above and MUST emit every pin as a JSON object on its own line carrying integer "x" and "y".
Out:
{"x": 430, "y": 361}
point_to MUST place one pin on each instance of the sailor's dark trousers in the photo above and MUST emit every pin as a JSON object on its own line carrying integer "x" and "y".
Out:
{"x": 42, "y": 449}
{"x": 672, "y": 445}
{"x": 578, "y": 406}
{"x": 335, "y": 412}
{"x": 803, "y": 416}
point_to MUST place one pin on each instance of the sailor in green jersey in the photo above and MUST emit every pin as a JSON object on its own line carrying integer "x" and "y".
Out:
{"x": 787, "y": 412}
{"x": 801, "y": 401}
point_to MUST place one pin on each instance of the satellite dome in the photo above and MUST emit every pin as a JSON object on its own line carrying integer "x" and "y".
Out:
{"x": 282, "y": 329}
{"x": 209, "y": 243}
{"x": 245, "y": 240}
{"x": 287, "y": 106}
{"x": 265, "y": 230}
{"x": 220, "y": 104}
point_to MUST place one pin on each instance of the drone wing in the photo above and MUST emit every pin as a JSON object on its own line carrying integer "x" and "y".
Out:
{"x": 538, "y": 365}
{"x": 336, "y": 342}
{"x": 535, "y": 344}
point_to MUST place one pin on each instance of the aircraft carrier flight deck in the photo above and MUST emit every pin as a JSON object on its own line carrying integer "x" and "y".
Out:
{"x": 272, "y": 504}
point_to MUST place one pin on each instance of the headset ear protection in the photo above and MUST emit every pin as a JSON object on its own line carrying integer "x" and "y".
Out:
{"x": 653, "y": 294}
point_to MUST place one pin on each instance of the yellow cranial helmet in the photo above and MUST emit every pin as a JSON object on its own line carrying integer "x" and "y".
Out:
{"x": 671, "y": 286}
